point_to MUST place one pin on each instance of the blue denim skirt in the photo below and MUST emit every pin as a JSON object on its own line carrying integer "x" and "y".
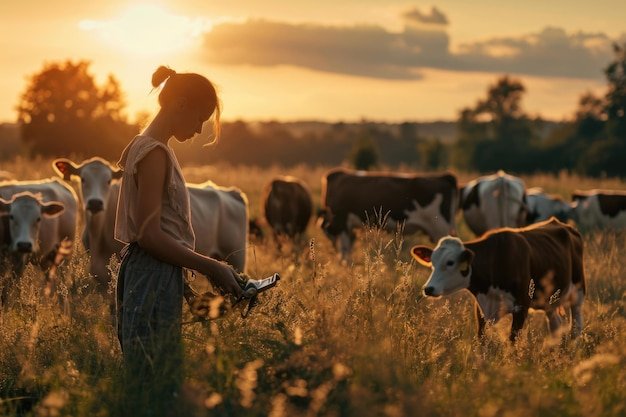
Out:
{"x": 149, "y": 309}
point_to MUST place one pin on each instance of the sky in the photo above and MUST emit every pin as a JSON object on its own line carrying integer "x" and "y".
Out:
{"x": 334, "y": 60}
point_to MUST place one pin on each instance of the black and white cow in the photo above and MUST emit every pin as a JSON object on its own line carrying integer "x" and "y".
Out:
{"x": 542, "y": 206}
{"x": 511, "y": 270}
{"x": 418, "y": 202}
{"x": 494, "y": 201}
{"x": 599, "y": 210}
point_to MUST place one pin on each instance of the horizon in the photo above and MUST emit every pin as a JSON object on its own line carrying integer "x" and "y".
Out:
{"x": 392, "y": 62}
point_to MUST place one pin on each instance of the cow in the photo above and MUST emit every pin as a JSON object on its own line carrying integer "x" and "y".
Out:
{"x": 599, "y": 210}
{"x": 219, "y": 218}
{"x": 99, "y": 191}
{"x": 542, "y": 206}
{"x": 287, "y": 206}
{"x": 510, "y": 270}
{"x": 38, "y": 223}
{"x": 416, "y": 202}
{"x": 213, "y": 210}
{"x": 493, "y": 201}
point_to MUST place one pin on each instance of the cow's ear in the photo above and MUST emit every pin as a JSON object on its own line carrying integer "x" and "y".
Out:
{"x": 423, "y": 255}
{"x": 465, "y": 260}
{"x": 5, "y": 207}
{"x": 117, "y": 174}
{"x": 65, "y": 168}
{"x": 52, "y": 208}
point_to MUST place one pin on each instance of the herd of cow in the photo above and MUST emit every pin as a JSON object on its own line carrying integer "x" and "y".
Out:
{"x": 514, "y": 265}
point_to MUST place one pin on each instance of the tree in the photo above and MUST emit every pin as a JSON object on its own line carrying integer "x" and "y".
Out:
{"x": 63, "y": 111}
{"x": 364, "y": 155}
{"x": 616, "y": 95}
{"x": 496, "y": 133}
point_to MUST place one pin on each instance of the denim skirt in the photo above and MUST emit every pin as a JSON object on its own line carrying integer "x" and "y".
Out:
{"x": 149, "y": 309}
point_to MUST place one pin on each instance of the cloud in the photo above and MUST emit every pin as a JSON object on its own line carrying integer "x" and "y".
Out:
{"x": 436, "y": 17}
{"x": 373, "y": 51}
{"x": 551, "y": 52}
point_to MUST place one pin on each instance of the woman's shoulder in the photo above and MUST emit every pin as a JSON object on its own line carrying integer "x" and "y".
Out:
{"x": 137, "y": 149}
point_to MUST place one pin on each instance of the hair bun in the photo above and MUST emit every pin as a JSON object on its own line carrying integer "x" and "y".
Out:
{"x": 161, "y": 74}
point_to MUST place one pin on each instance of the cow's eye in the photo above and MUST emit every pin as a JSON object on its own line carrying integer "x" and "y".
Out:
{"x": 38, "y": 219}
{"x": 109, "y": 182}
{"x": 11, "y": 217}
{"x": 450, "y": 263}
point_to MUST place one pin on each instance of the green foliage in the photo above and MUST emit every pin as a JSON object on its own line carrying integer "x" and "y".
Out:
{"x": 495, "y": 133}
{"x": 364, "y": 155}
{"x": 434, "y": 154}
{"x": 63, "y": 111}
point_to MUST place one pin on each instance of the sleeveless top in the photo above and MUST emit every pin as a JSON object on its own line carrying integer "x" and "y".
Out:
{"x": 175, "y": 207}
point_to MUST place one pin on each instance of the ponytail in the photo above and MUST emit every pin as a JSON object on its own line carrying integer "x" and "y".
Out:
{"x": 161, "y": 74}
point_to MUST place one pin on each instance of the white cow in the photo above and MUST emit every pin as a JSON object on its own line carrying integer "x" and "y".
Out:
{"x": 542, "y": 206}
{"x": 99, "y": 191}
{"x": 219, "y": 216}
{"x": 494, "y": 201}
{"x": 38, "y": 222}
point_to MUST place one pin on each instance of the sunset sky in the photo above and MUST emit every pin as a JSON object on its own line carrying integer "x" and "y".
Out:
{"x": 324, "y": 59}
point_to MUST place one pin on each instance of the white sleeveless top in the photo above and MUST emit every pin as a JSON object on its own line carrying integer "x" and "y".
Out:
{"x": 175, "y": 207}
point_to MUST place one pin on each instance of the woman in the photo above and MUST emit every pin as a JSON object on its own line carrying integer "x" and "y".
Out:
{"x": 154, "y": 219}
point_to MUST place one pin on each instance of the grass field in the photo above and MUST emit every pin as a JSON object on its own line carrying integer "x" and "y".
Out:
{"x": 332, "y": 340}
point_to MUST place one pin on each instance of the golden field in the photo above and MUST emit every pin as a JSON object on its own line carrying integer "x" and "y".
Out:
{"x": 331, "y": 340}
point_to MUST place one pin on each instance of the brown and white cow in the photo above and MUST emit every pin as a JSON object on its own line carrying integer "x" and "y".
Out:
{"x": 511, "y": 270}
{"x": 493, "y": 201}
{"x": 418, "y": 202}
{"x": 288, "y": 206}
{"x": 38, "y": 223}
{"x": 599, "y": 210}
{"x": 542, "y": 206}
{"x": 99, "y": 191}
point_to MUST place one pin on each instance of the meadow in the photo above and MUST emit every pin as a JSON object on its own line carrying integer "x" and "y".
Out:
{"x": 331, "y": 339}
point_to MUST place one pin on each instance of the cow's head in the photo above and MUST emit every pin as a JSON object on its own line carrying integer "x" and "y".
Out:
{"x": 25, "y": 211}
{"x": 451, "y": 267}
{"x": 95, "y": 176}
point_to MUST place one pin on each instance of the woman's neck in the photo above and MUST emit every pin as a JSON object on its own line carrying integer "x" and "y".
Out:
{"x": 160, "y": 128}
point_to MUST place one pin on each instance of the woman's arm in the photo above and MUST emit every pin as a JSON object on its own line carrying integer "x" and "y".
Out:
{"x": 151, "y": 175}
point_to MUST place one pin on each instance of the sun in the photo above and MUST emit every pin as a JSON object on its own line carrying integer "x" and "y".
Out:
{"x": 148, "y": 30}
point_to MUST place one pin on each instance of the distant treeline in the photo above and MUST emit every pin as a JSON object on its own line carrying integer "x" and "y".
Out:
{"x": 64, "y": 112}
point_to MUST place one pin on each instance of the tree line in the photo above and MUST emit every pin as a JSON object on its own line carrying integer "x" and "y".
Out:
{"x": 64, "y": 111}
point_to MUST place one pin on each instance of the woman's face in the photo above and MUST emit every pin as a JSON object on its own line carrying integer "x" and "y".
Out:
{"x": 188, "y": 121}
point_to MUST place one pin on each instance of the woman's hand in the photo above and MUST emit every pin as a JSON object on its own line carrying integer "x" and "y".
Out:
{"x": 224, "y": 277}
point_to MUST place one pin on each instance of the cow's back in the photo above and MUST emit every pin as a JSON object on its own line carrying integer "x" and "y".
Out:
{"x": 494, "y": 201}
{"x": 219, "y": 219}
{"x": 359, "y": 193}
{"x": 556, "y": 257}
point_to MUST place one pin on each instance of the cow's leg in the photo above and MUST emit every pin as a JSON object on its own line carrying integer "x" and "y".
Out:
{"x": 480, "y": 319}
{"x": 99, "y": 272}
{"x": 554, "y": 320}
{"x": 519, "y": 317}
{"x": 577, "y": 313}
{"x": 346, "y": 240}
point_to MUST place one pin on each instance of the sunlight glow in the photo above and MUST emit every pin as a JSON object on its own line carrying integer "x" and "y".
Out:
{"x": 148, "y": 30}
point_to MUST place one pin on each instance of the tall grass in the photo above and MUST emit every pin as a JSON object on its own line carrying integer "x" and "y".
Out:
{"x": 331, "y": 339}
